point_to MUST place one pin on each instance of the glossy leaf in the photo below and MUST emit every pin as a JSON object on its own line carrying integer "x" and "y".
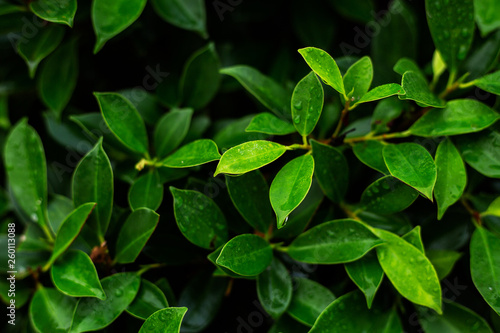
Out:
{"x": 246, "y": 255}
{"x": 171, "y": 130}
{"x": 249, "y": 156}
{"x": 109, "y": 18}
{"x": 438, "y": 66}
{"x": 134, "y": 234}
{"x": 146, "y": 191}
{"x": 166, "y": 320}
{"x": 406, "y": 65}
{"x": 485, "y": 266}
{"x": 413, "y": 165}
{"x": 367, "y": 274}
{"x": 194, "y": 153}
{"x": 487, "y": 15}
{"x": 199, "y": 219}
{"x": 324, "y": 66}
{"x": 270, "y": 124}
{"x": 223, "y": 271}
{"x": 443, "y": 261}
{"x": 358, "y": 79}
{"x": 489, "y": 83}
{"x": 74, "y": 274}
{"x": 51, "y": 311}
{"x": 250, "y": 195}
{"x": 189, "y": 15}
{"x": 414, "y": 238}
{"x": 451, "y": 176}
{"x": 381, "y": 92}
{"x": 274, "y": 288}
{"x": 148, "y": 300}
{"x": 333, "y": 242}
{"x": 61, "y": 12}
{"x": 370, "y": 153}
{"x": 493, "y": 208}
{"x": 59, "y": 208}
{"x": 416, "y": 89}
{"x": 290, "y": 187}
{"x": 388, "y": 195}
{"x": 93, "y": 314}
{"x": 307, "y": 103}
{"x": 331, "y": 170}
{"x": 123, "y": 120}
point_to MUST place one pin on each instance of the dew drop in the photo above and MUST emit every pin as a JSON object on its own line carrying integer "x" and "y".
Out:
{"x": 34, "y": 217}
{"x": 296, "y": 119}
{"x": 298, "y": 105}
{"x": 118, "y": 292}
{"x": 465, "y": 32}
{"x": 462, "y": 52}
{"x": 321, "y": 54}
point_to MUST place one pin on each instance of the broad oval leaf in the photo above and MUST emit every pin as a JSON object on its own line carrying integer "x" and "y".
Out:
{"x": 489, "y": 83}
{"x": 325, "y": 66}
{"x": 370, "y": 153}
{"x": 416, "y": 89}
{"x": 384, "y": 115}
{"x": 381, "y": 92}
{"x": 412, "y": 164}
{"x": 194, "y": 153}
{"x": 268, "y": 123}
{"x": 123, "y": 120}
{"x": 249, "y": 156}
{"x": 487, "y": 15}
{"x": 146, "y": 191}
{"x": 62, "y": 11}
{"x": 171, "y": 130}
{"x": 75, "y": 275}
{"x": 185, "y": 14}
{"x": 274, "y": 288}
{"x": 307, "y": 104}
{"x": 148, "y": 300}
{"x": 51, "y": 311}
{"x": 358, "y": 79}
{"x": 408, "y": 65}
{"x": 246, "y": 255}
{"x": 333, "y": 242}
{"x": 443, "y": 261}
{"x": 290, "y": 187}
{"x": 367, "y": 274}
{"x": 134, "y": 234}
{"x": 415, "y": 238}
{"x": 199, "y": 219}
{"x": 166, "y": 320}
{"x": 388, "y": 195}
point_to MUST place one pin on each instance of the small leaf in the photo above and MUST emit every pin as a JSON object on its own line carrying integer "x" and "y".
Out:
{"x": 134, "y": 234}
{"x": 324, "y": 66}
{"x": 75, "y": 275}
{"x": 333, "y": 242}
{"x": 406, "y": 65}
{"x": 61, "y": 12}
{"x": 146, "y": 191}
{"x": 443, "y": 261}
{"x": 487, "y": 15}
{"x": 438, "y": 65}
{"x": 123, "y": 120}
{"x": 370, "y": 153}
{"x": 185, "y": 14}
{"x": 166, "y": 320}
{"x": 110, "y": 17}
{"x": 489, "y": 83}
{"x": 149, "y": 299}
{"x": 415, "y": 238}
{"x": 199, "y": 219}
{"x": 307, "y": 104}
{"x": 388, "y": 195}
{"x": 412, "y": 164}
{"x": 249, "y": 156}
{"x": 290, "y": 187}
{"x": 416, "y": 89}
{"x": 493, "y": 208}
{"x": 367, "y": 274}
{"x": 171, "y": 130}
{"x": 51, "y": 311}
{"x": 384, "y": 115}
{"x": 274, "y": 288}
{"x": 246, "y": 255}
{"x": 381, "y": 92}
{"x": 358, "y": 79}
{"x": 194, "y": 153}
{"x": 270, "y": 124}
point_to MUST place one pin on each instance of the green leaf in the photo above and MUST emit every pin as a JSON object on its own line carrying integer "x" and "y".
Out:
{"x": 452, "y": 29}
{"x": 185, "y": 14}
{"x": 246, "y": 255}
{"x": 223, "y": 270}
{"x": 412, "y": 164}
{"x": 62, "y": 11}
{"x": 166, "y": 320}
{"x": 24, "y": 160}
{"x": 134, "y": 234}
{"x": 290, "y": 187}
{"x": 489, "y": 83}
{"x": 388, "y": 195}
{"x": 493, "y": 208}
{"x": 249, "y": 156}
{"x": 51, "y": 311}
{"x": 34, "y": 50}
{"x": 146, "y": 191}
{"x": 148, "y": 300}
{"x": 109, "y": 18}
{"x": 123, "y": 120}
{"x": 487, "y": 15}
{"x": 370, "y": 153}
{"x": 438, "y": 66}
{"x": 405, "y": 65}
{"x": 460, "y": 116}
{"x": 93, "y": 314}
{"x": 200, "y": 78}
{"x": 199, "y": 219}
{"x": 309, "y": 299}
{"x": 416, "y": 89}
{"x": 331, "y": 170}
{"x": 451, "y": 176}
{"x": 58, "y": 76}
{"x": 307, "y": 104}
{"x": 358, "y": 79}
{"x": 232, "y": 132}
{"x": 250, "y": 195}
{"x": 74, "y": 274}
{"x": 409, "y": 270}
{"x": 69, "y": 229}
{"x": 93, "y": 182}
{"x": 324, "y": 66}
{"x": 266, "y": 90}
{"x": 287, "y": 324}
{"x": 171, "y": 130}
{"x": 367, "y": 274}
{"x": 333, "y": 242}
{"x": 194, "y": 153}
{"x": 59, "y": 208}
{"x": 381, "y": 92}
{"x": 414, "y": 238}
{"x": 385, "y": 113}
{"x": 274, "y": 288}
{"x": 443, "y": 261}
{"x": 360, "y": 11}
{"x": 485, "y": 266}
{"x": 270, "y": 124}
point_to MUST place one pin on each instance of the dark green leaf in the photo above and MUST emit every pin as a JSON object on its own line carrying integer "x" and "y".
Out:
{"x": 367, "y": 274}
{"x": 381, "y": 92}
{"x": 274, "y": 288}
{"x": 358, "y": 10}
{"x": 358, "y": 79}
{"x": 171, "y": 130}
{"x": 51, "y": 311}
{"x": 270, "y": 124}
{"x": 185, "y": 14}
{"x": 324, "y": 66}
{"x": 388, "y": 195}
{"x": 232, "y": 133}
{"x": 194, "y": 153}
{"x": 370, "y": 153}
{"x": 307, "y": 104}
{"x": 166, "y": 320}
{"x": 487, "y": 13}
{"x": 405, "y": 65}
{"x": 59, "y": 208}
{"x": 146, "y": 191}
{"x": 443, "y": 261}
{"x": 149, "y": 299}
{"x": 62, "y": 11}
{"x": 385, "y": 113}
{"x": 416, "y": 89}
{"x": 287, "y": 324}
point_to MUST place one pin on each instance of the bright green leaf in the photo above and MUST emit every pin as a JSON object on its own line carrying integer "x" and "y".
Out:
{"x": 307, "y": 104}
{"x": 324, "y": 66}
{"x": 388, "y": 195}
{"x": 416, "y": 89}
{"x": 194, "y": 153}
{"x": 493, "y": 208}
{"x": 270, "y": 124}
{"x": 490, "y": 83}
{"x": 406, "y": 65}
{"x": 274, "y": 288}
{"x": 61, "y": 11}
{"x": 166, "y": 320}
{"x": 358, "y": 79}
{"x": 381, "y": 92}
{"x": 415, "y": 238}
{"x": 367, "y": 274}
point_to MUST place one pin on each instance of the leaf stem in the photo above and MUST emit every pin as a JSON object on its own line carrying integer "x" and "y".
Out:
{"x": 475, "y": 214}
{"x": 381, "y": 137}
{"x": 344, "y": 113}
{"x": 146, "y": 268}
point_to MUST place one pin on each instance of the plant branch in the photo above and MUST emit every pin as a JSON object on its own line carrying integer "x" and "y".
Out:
{"x": 381, "y": 137}
{"x": 344, "y": 113}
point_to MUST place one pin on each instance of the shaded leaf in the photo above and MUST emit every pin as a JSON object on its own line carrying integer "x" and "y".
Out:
{"x": 388, "y": 195}
{"x": 367, "y": 274}
{"x": 189, "y": 15}
{"x": 148, "y": 300}
{"x": 370, "y": 153}
{"x": 270, "y": 124}
{"x": 146, "y": 191}
{"x": 63, "y": 11}
{"x": 171, "y": 130}
{"x": 274, "y": 288}
{"x": 416, "y": 89}
{"x": 51, "y": 311}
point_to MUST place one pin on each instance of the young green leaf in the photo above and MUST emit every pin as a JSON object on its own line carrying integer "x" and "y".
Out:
{"x": 194, "y": 153}
{"x": 51, "y": 311}
{"x": 416, "y": 89}
{"x": 148, "y": 300}
{"x": 185, "y": 14}
{"x": 370, "y": 153}
{"x": 324, "y": 66}
{"x": 438, "y": 66}
{"x": 75, "y": 275}
{"x": 412, "y": 164}
{"x": 134, "y": 234}
{"x": 307, "y": 104}
{"x": 451, "y": 176}
{"x": 406, "y": 65}
{"x": 123, "y": 120}
{"x": 333, "y": 242}
{"x": 485, "y": 266}
{"x": 290, "y": 187}
{"x": 489, "y": 83}
{"x": 388, "y": 195}
{"x": 246, "y": 255}
{"x": 166, "y": 320}
{"x": 249, "y": 156}
{"x": 358, "y": 79}
{"x": 480, "y": 151}
{"x": 274, "y": 288}
{"x": 415, "y": 238}
{"x": 171, "y": 130}
{"x": 486, "y": 14}
{"x": 199, "y": 219}
{"x": 146, "y": 191}
{"x": 331, "y": 170}
{"x": 493, "y": 208}
{"x": 367, "y": 274}
{"x": 443, "y": 261}
{"x": 62, "y": 11}
{"x": 381, "y": 92}
{"x": 268, "y": 123}
{"x": 109, "y": 18}
{"x": 93, "y": 314}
